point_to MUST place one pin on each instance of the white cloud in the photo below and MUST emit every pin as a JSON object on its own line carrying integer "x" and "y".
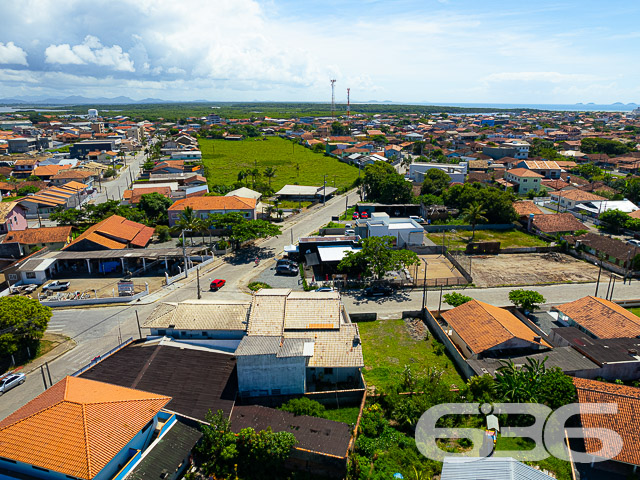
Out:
{"x": 90, "y": 51}
{"x": 11, "y": 53}
{"x": 551, "y": 77}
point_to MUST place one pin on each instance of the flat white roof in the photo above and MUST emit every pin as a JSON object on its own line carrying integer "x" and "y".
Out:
{"x": 402, "y": 226}
{"x": 335, "y": 253}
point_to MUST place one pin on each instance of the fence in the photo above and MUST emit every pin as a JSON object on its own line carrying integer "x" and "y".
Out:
{"x": 443, "y": 338}
{"x": 53, "y": 302}
{"x": 169, "y": 280}
{"x": 486, "y": 226}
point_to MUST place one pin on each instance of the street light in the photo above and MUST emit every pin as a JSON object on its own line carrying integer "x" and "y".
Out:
{"x": 424, "y": 285}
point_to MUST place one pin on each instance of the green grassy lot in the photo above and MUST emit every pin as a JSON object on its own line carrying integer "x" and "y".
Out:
{"x": 561, "y": 468}
{"x": 388, "y": 347}
{"x": 223, "y": 159}
{"x": 344, "y": 414}
{"x": 507, "y": 238}
{"x": 635, "y": 311}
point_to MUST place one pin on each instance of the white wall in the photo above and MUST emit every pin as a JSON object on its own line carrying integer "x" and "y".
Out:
{"x": 259, "y": 375}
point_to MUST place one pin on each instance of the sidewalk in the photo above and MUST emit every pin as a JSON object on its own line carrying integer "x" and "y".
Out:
{"x": 50, "y": 356}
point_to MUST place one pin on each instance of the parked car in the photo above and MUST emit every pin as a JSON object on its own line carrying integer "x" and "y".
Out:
{"x": 217, "y": 284}
{"x": 325, "y": 289}
{"x": 364, "y": 215}
{"x": 416, "y": 218}
{"x": 378, "y": 291}
{"x": 286, "y": 269}
{"x": 286, "y": 261}
{"x": 355, "y": 216}
{"x": 56, "y": 285}
{"x": 634, "y": 242}
{"x": 10, "y": 381}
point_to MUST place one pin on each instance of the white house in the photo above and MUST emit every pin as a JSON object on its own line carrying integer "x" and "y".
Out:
{"x": 406, "y": 231}
{"x": 457, "y": 172}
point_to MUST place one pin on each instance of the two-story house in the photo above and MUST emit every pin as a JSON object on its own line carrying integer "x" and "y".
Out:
{"x": 205, "y": 206}
{"x": 525, "y": 180}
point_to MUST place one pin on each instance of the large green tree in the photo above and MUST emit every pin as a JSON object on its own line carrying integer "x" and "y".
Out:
{"x": 377, "y": 257}
{"x": 236, "y": 228}
{"x": 154, "y": 206}
{"x": 474, "y": 214}
{"x": 435, "y": 182}
{"x": 383, "y": 184}
{"x": 22, "y": 321}
{"x": 528, "y": 300}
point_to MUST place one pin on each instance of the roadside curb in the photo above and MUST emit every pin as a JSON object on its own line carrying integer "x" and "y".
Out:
{"x": 50, "y": 357}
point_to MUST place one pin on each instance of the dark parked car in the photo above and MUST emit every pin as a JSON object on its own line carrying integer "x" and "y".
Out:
{"x": 378, "y": 291}
{"x": 217, "y": 284}
{"x": 286, "y": 269}
{"x": 286, "y": 261}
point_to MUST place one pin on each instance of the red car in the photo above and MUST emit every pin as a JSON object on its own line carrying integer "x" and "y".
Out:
{"x": 355, "y": 216}
{"x": 217, "y": 284}
{"x": 364, "y": 215}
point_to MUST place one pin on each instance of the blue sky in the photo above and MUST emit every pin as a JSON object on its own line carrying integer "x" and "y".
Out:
{"x": 404, "y": 51}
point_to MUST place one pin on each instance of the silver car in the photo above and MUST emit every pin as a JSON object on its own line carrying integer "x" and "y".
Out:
{"x": 10, "y": 381}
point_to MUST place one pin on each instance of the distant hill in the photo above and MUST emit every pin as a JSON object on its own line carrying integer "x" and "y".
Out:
{"x": 78, "y": 100}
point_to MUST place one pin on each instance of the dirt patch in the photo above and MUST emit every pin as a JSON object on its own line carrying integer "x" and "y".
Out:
{"x": 416, "y": 328}
{"x": 530, "y": 269}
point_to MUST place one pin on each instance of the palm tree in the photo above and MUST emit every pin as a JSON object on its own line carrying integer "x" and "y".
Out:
{"x": 242, "y": 175}
{"x": 188, "y": 221}
{"x": 269, "y": 172}
{"x": 474, "y": 214}
{"x": 297, "y": 167}
{"x": 254, "y": 173}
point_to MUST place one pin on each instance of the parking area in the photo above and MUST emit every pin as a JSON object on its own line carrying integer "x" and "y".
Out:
{"x": 277, "y": 280}
{"x": 530, "y": 269}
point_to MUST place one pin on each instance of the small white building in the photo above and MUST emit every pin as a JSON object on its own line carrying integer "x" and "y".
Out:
{"x": 186, "y": 155}
{"x": 406, "y": 231}
{"x": 457, "y": 172}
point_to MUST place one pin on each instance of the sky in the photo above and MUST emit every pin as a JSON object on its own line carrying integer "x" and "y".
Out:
{"x": 456, "y": 51}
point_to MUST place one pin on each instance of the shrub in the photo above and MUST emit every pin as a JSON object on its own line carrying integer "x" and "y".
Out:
{"x": 163, "y": 233}
{"x": 255, "y": 286}
{"x": 304, "y": 406}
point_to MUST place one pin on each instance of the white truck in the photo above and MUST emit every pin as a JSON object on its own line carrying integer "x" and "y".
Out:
{"x": 55, "y": 286}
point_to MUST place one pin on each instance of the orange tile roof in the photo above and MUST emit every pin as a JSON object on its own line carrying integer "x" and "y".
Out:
{"x": 116, "y": 232}
{"x": 49, "y": 170}
{"x": 482, "y": 326}
{"x": 523, "y": 172}
{"x": 579, "y": 195}
{"x": 215, "y": 203}
{"x": 602, "y": 318}
{"x": 557, "y": 222}
{"x": 624, "y": 422}
{"x": 77, "y": 426}
{"x": 32, "y": 236}
{"x": 526, "y": 207}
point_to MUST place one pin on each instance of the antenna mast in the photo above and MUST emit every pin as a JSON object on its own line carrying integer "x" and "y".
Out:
{"x": 349, "y": 109}
{"x": 333, "y": 98}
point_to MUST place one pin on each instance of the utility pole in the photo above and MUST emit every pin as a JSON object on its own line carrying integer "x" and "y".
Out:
{"x": 324, "y": 191}
{"x": 424, "y": 286}
{"x": 346, "y": 206}
{"x": 333, "y": 99}
{"x": 138, "y": 322}
{"x": 598, "y": 283}
{"x": 198, "y": 277}
{"x": 184, "y": 254}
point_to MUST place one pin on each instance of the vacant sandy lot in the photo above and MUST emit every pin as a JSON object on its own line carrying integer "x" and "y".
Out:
{"x": 440, "y": 271}
{"x": 530, "y": 269}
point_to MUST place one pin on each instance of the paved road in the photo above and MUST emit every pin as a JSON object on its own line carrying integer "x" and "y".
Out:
{"x": 115, "y": 188}
{"x": 98, "y": 330}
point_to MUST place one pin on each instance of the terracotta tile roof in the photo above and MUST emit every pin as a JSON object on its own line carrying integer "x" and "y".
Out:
{"x": 116, "y": 232}
{"x": 49, "y": 170}
{"x": 6, "y": 208}
{"x": 77, "y": 426}
{"x": 72, "y": 173}
{"x": 541, "y": 165}
{"x": 32, "y": 236}
{"x": 214, "y": 203}
{"x": 624, "y": 422}
{"x": 525, "y": 208}
{"x": 559, "y": 222}
{"x": 613, "y": 247}
{"x": 523, "y": 172}
{"x": 482, "y": 326}
{"x": 602, "y": 318}
{"x": 578, "y": 195}
{"x": 635, "y": 214}
{"x": 555, "y": 184}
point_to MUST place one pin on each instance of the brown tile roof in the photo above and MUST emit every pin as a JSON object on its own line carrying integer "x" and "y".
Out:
{"x": 32, "y": 236}
{"x": 635, "y": 214}
{"x": 215, "y": 203}
{"x": 602, "y": 318}
{"x": 72, "y": 173}
{"x": 482, "y": 326}
{"x": 624, "y": 422}
{"x": 136, "y": 194}
{"x": 579, "y": 195}
{"x": 541, "y": 165}
{"x": 77, "y": 426}
{"x": 555, "y": 184}
{"x": 601, "y": 243}
{"x": 6, "y": 208}
{"x": 523, "y": 172}
{"x": 526, "y": 207}
{"x": 558, "y": 222}
{"x": 49, "y": 170}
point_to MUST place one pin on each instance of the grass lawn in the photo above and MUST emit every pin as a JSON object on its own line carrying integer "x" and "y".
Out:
{"x": 388, "y": 347}
{"x": 223, "y": 159}
{"x": 561, "y": 468}
{"x": 635, "y": 311}
{"x": 344, "y": 414}
{"x": 507, "y": 238}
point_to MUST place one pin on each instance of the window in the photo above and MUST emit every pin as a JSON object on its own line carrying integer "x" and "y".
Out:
{"x": 328, "y": 371}
{"x": 162, "y": 332}
{"x": 275, "y": 391}
{"x": 31, "y": 274}
{"x": 13, "y": 276}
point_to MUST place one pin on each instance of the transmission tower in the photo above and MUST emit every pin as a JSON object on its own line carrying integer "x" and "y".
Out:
{"x": 333, "y": 98}
{"x": 349, "y": 109}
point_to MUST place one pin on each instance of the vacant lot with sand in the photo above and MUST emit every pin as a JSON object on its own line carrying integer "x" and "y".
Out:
{"x": 530, "y": 269}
